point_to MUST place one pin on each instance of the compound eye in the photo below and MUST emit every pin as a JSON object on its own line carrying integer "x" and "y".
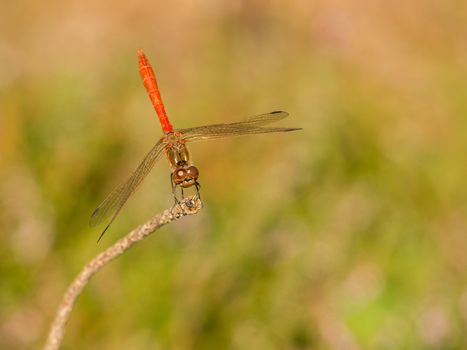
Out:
{"x": 192, "y": 172}
{"x": 179, "y": 175}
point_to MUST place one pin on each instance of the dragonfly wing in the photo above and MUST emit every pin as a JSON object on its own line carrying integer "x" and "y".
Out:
{"x": 114, "y": 202}
{"x": 263, "y": 119}
{"x": 252, "y": 125}
{"x": 220, "y": 132}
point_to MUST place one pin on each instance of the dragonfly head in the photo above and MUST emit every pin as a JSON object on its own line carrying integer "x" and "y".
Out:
{"x": 185, "y": 176}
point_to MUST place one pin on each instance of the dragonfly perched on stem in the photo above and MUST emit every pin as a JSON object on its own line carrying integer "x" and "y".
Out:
{"x": 174, "y": 144}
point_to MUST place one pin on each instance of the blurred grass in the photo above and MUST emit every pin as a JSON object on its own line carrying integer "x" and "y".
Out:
{"x": 350, "y": 234}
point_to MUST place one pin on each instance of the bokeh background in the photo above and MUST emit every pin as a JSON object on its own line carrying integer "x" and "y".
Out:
{"x": 350, "y": 234}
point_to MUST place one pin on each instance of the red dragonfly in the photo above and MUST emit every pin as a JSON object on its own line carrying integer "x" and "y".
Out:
{"x": 173, "y": 144}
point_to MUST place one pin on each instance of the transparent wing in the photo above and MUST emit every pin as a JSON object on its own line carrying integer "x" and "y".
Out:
{"x": 252, "y": 125}
{"x": 263, "y": 119}
{"x": 114, "y": 202}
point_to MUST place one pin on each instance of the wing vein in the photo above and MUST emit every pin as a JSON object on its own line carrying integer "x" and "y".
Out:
{"x": 114, "y": 202}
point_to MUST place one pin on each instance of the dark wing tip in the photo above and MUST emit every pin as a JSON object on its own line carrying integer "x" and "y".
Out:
{"x": 280, "y": 112}
{"x": 102, "y": 234}
{"x": 288, "y": 129}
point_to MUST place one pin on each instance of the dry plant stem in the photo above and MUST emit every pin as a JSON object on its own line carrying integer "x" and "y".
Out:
{"x": 188, "y": 206}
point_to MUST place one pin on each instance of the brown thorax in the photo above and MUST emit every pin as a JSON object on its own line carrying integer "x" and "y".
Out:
{"x": 183, "y": 173}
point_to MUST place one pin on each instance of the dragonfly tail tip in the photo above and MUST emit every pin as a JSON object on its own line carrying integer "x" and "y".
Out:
{"x": 141, "y": 53}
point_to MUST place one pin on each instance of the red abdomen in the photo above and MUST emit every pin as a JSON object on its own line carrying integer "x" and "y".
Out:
{"x": 149, "y": 80}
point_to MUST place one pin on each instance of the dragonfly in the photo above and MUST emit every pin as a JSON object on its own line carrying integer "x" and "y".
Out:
{"x": 173, "y": 144}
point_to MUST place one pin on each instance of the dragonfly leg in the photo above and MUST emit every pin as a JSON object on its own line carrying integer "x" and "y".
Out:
{"x": 198, "y": 186}
{"x": 198, "y": 194}
{"x": 174, "y": 191}
{"x": 191, "y": 203}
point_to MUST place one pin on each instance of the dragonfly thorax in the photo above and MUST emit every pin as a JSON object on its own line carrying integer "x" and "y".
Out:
{"x": 177, "y": 155}
{"x": 183, "y": 173}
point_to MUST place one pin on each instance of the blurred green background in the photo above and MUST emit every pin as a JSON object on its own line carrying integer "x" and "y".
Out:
{"x": 350, "y": 234}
